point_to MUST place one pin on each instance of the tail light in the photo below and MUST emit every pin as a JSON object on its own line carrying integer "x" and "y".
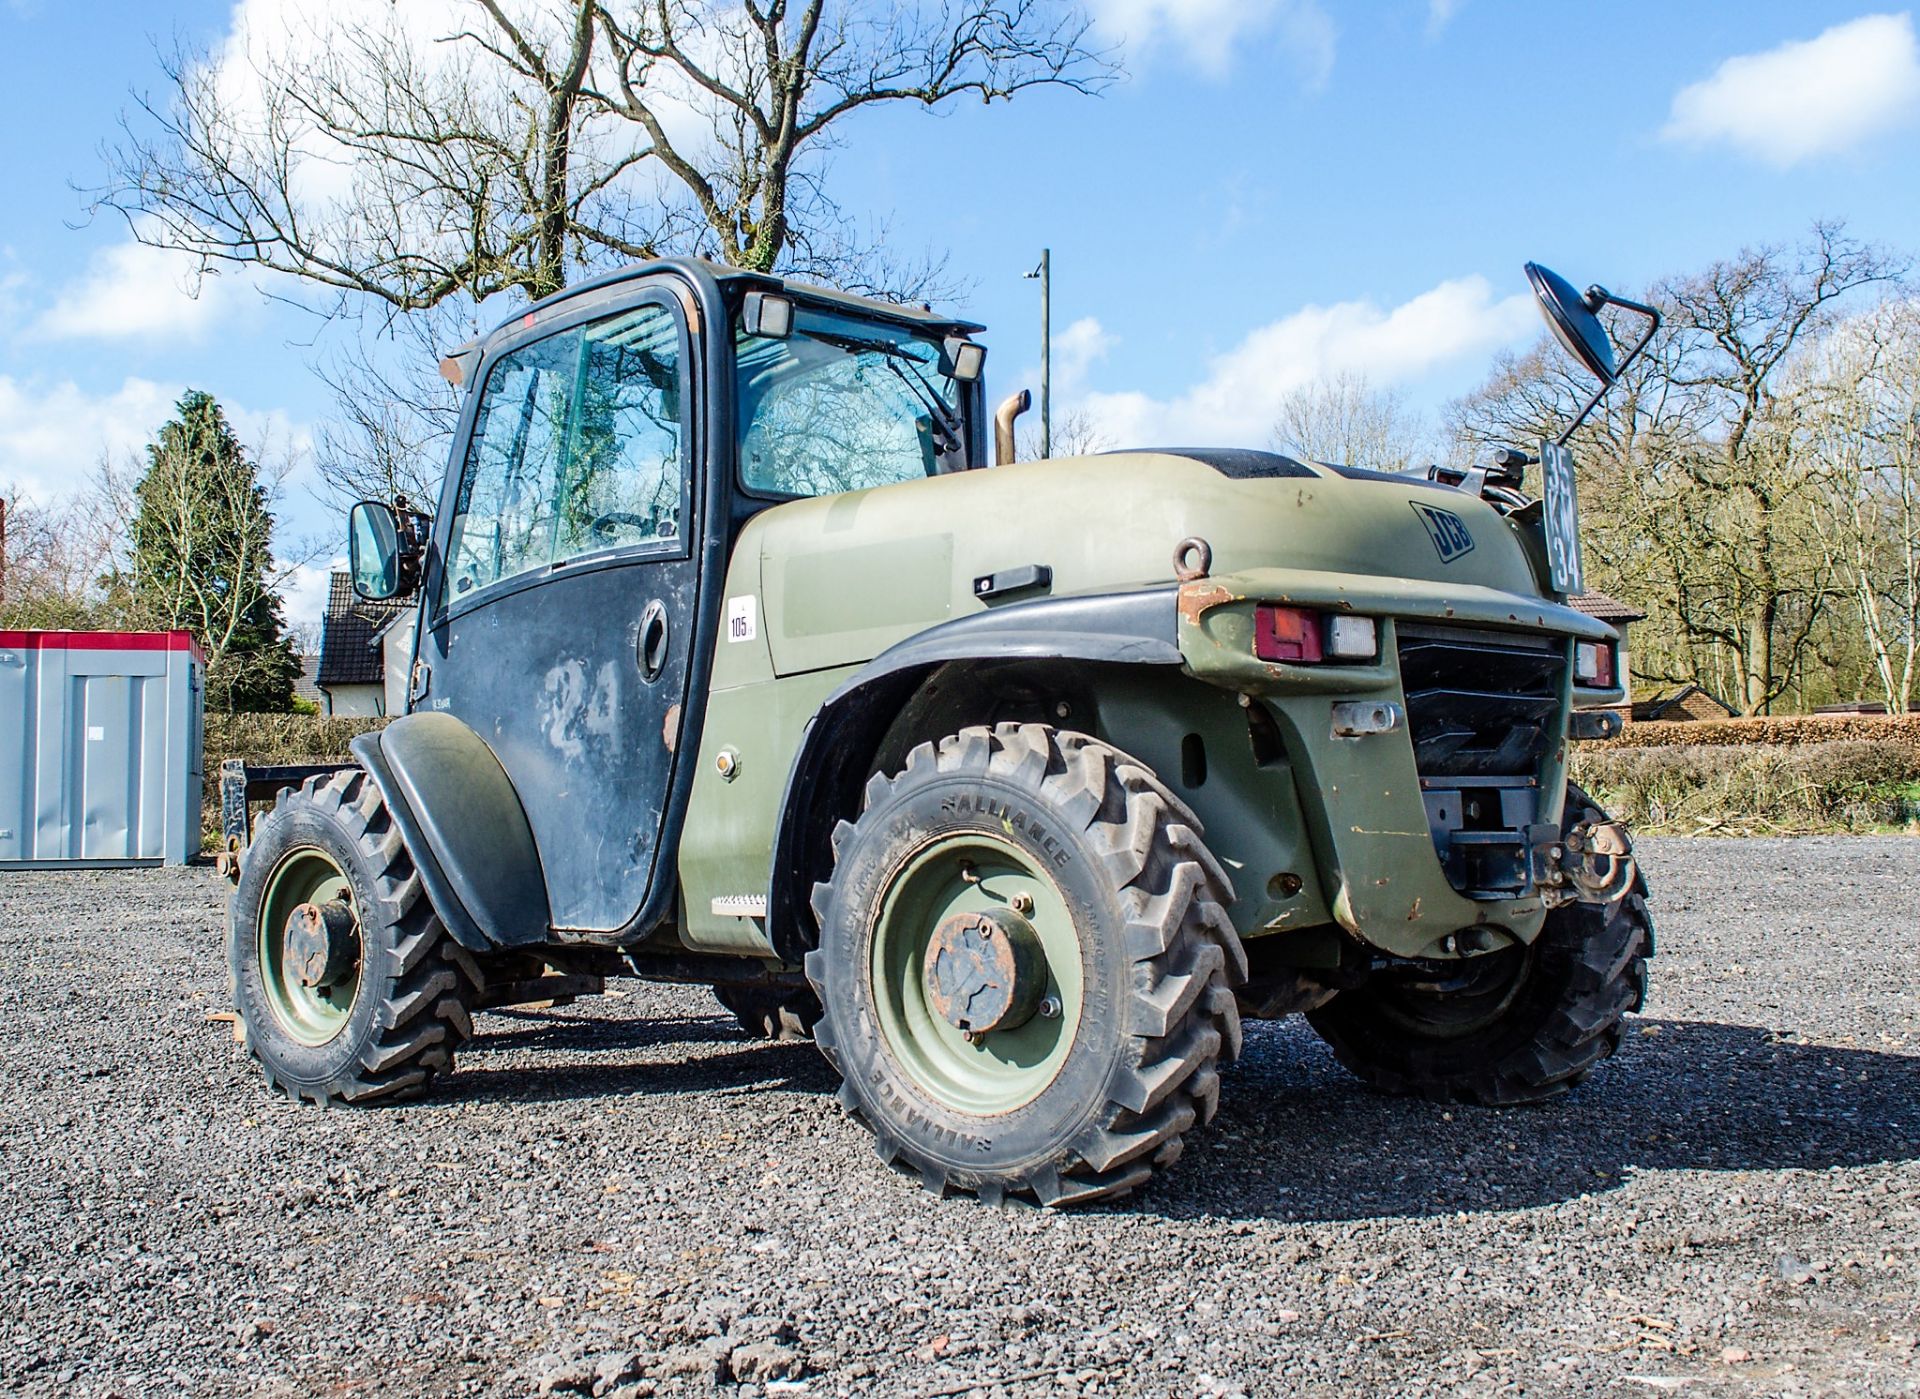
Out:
{"x": 1287, "y": 634}
{"x": 1593, "y": 664}
{"x": 1306, "y": 637}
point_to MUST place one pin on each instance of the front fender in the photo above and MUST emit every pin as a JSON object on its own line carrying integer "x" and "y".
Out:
{"x": 462, "y": 822}
{"x": 831, "y": 764}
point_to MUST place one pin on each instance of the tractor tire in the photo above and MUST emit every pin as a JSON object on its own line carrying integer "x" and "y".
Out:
{"x": 767, "y": 1013}
{"x": 374, "y": 1006}
{"x": 1126, "y": 971}
{"x": 1522, "y": 1025}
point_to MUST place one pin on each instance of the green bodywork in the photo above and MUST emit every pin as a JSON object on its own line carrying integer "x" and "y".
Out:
{"x": 1328, "y": 832}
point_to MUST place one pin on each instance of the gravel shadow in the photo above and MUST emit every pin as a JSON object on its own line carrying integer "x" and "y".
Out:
{"x": 1297, "y": 1139}
{"x": 515, "y": 1030}
{"x": 759, "y": 1066}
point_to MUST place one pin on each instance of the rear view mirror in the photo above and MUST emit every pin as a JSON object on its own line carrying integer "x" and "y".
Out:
{"x": 1573, "y": 322}
{"x": 378, "y": 560}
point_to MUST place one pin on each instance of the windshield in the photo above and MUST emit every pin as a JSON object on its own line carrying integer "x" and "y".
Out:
{"x": 844, "y": 404}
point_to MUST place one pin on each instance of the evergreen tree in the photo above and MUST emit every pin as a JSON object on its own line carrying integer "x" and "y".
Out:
{"x": 201, "y": 548}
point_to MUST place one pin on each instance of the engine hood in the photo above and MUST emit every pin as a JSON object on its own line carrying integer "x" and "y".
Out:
{"x": 1263, "y": 510}
{"x": 844, "y": 576}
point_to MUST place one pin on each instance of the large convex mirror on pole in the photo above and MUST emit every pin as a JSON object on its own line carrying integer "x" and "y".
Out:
{"x": 1575, "y": 321}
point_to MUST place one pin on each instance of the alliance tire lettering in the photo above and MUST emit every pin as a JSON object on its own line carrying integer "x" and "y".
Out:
{"x": 1012, "y": 819}
{"x": 915, "y": 1116}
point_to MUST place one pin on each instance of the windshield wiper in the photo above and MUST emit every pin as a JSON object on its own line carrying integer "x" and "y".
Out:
{"x": 943, "y": 418}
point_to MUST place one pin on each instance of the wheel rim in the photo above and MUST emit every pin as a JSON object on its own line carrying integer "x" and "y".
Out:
{"x": 1447, "y": 1001}
{"x": 1001, "y": 1069}
{"x": 310, "y": 1013}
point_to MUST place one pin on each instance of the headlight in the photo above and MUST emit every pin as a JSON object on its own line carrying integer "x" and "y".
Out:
{"x": 1352, "y": 638}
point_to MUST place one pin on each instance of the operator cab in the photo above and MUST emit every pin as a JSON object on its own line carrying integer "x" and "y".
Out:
{"x": 615, "y": 440}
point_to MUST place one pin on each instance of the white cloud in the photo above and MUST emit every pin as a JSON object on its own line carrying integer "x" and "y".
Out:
{"x": 1238, "y": 400}
{"x": 53, "y": 435}
{"x": 1440, "y": 14}
{"x": 303, "y": 593}
{"x": 1076, "y": 350}
{"x": 267, "y": 39}
{"x": 131, "y": 291}
{"x": 1815, "y": 97}
{"x": 1210, "y": 33}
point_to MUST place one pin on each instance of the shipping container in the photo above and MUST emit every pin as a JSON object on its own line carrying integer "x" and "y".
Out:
{"x": 100, "y": 738}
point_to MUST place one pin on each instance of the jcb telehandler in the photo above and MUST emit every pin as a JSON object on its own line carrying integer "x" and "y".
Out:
{"x": 1017, "y": 786}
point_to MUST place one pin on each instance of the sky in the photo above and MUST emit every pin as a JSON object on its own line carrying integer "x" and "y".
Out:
{"x": 1277, "y": 191}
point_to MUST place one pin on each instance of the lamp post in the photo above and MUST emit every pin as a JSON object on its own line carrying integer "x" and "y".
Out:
{"x": 1045, "y": 273}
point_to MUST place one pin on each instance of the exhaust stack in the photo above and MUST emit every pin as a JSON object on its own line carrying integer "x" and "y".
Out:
{"x": 1003, "y": 417}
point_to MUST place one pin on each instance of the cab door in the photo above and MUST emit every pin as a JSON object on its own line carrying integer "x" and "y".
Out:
{"x": 562, "y": 597}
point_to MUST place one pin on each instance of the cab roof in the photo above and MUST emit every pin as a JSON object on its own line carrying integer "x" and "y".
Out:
{"x": 723, "y": 276}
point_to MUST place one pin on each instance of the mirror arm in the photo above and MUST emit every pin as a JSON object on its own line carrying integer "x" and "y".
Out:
{"x": 1653, "y": 324}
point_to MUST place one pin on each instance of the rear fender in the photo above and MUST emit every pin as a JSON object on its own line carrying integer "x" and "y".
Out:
{"x": 463, "y": 824}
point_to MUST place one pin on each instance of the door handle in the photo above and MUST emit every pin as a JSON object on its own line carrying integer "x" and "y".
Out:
{"x": 653, "y": 640}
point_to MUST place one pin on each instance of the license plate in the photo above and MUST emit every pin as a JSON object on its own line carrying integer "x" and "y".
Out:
{"x": 1562, "y": 511}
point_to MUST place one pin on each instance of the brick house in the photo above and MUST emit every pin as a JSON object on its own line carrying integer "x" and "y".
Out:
{"x": 1693, "y": 702}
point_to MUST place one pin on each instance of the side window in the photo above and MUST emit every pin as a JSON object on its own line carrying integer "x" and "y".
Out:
{"x": 577, "y": 448}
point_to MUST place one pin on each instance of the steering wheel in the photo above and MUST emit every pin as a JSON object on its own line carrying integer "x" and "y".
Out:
{"x": 604, "y": 525}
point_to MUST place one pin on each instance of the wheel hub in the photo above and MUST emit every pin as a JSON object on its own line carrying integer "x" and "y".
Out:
{"x": 321, "y": 943}
{"x": 985, "y": 971}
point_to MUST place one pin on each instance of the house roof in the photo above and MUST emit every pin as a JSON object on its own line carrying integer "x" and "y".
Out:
{"x": 1607, "y": 609}
{"x": 1660, "y": 706}
{"x": 350, "y": 635}
{"x": 306, "y": 685}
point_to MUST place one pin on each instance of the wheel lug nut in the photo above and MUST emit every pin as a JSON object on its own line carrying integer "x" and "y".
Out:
{"x": 1050, "y": 1007}
{"x": 1023, "y": 904}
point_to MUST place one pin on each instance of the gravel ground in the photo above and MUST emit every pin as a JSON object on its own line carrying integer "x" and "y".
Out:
{"x": 629, "y": 1197}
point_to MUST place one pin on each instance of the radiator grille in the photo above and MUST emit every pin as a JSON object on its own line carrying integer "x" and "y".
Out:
{"x": 1479, "y": 703}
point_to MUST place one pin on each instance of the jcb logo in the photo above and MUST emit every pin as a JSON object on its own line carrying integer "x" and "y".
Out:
{"x": 1447, "y": 531}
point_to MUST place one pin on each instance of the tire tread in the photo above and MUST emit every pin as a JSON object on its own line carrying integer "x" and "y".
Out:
{"x": 1186, "y": 957}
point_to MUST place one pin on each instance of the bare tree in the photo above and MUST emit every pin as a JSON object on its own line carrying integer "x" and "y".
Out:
{"x": 537, "y": 138}
{"x": 395, "y": 415}
{"x": 774, "y": 82}
{"x": 1075, "y": 434}
{"x": 1699, "y": 503}
{"x": 1759, "y": 590}
{"x": 1861, "y": 425}
{"x": 1345, "y": 419}
{"x": 413, "y": 171}
{"x": 60, "y": 558}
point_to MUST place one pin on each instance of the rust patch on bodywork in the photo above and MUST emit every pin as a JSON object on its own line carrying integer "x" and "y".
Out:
{"x": 1199, "y": 598}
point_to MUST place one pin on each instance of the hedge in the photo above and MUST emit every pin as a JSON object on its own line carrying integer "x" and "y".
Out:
{"x": 264, "y": 739}
{"x": 1781, "y": 729}
{"x": 1800, "y": 787}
